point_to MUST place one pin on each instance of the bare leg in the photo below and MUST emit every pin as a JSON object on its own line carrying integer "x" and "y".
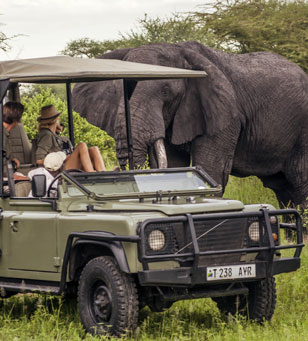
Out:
{"x": 97, "y": 160}
{"x": 80, "y": 159}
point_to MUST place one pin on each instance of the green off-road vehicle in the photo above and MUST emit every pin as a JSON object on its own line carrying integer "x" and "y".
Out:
{"x": 121, "y": 240}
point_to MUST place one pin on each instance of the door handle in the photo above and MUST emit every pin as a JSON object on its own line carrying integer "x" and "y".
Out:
{"x": 14, "y": 226}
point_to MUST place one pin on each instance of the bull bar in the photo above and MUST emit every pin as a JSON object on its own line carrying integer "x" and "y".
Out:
{"x": 195, "y": 274}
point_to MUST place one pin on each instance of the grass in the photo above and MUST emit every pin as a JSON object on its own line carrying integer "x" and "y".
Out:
{"x": 36, "y": 317}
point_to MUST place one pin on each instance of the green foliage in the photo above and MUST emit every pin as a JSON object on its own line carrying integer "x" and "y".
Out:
{"x": 250, "y": 191}
{"x": 84, "y": 47}
{"x": 4, "y": 41}
{"x": 31, "y": 90}
{"x": 239, "y": 26}
{"x": 279, "y": 26}
{"x": 83, "y": 131}
{"x": 175, "y": 29}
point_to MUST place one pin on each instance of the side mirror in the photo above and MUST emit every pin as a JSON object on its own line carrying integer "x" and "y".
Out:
{"x": 39, "y": 185}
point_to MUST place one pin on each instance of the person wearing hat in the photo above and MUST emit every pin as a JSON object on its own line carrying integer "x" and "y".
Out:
{"x": 53, "y": 165}
{"x": 48, "y": 141}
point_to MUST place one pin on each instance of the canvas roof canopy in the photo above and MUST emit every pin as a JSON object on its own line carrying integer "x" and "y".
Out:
{"x": 61, "y": 69}
{"x": 65, "y": 69}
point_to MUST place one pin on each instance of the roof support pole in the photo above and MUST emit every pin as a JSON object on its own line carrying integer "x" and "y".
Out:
{"x": 70, "y": 112}
{"x": 128, "y": 125}
{"x": 1, "y": 149}
{"x": 3, "y": 89}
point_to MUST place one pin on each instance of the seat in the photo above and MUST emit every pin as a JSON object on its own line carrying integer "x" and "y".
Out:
{"x": 20, "y": 144}
{"x": 21, "y": 148}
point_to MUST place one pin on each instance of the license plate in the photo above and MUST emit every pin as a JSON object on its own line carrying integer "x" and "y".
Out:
{"x": 215, "y": 273}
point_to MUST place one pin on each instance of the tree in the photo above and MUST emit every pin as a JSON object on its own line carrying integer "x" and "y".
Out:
{"x": 239, "y": 26}
{"x": 279, "y": 26}
{"x": 175, "y": 29}
{"x": 4, "y": 45}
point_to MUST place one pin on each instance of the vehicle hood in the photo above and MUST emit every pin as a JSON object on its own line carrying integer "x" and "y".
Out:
{"x": 200, "y": 205}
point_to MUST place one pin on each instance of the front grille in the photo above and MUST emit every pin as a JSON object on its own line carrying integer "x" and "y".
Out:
{"x": 212, "y": 235}
{"x": 229, "y": 234}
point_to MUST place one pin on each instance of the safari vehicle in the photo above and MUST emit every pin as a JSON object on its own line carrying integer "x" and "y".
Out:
{"x": 122, "y": 240}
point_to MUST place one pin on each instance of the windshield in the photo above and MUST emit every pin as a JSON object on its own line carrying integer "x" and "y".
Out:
{"x": 147, "y": 182}
{"x": 169, "y": 182}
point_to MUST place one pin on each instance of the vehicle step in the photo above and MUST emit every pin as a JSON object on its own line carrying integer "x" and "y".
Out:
{"x": 29, "y": 287}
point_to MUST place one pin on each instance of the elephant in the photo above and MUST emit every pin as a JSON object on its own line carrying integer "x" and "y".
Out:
{"x": 248, "y": 116}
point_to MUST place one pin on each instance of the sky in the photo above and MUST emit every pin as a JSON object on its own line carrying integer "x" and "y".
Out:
{"x": 47, "y": 26}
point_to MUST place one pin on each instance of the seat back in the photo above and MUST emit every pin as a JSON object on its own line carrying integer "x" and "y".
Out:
{"x": 22, "y": 189}
{"x": 20, "y": 144}
{"x": 33, "y": 151}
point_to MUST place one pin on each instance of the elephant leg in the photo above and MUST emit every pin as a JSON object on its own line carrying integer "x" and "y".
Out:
{"x": 281, "y": 186}
{"x": 291, "y": 184}
{"x": 296, "y": 172}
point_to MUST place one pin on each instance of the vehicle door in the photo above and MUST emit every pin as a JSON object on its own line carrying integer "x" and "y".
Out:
{"x": 28, "y": 235}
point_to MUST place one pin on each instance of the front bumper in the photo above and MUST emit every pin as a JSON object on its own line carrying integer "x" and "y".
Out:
{"x": 188, "y": 277}
{"x": 195, "y": 272}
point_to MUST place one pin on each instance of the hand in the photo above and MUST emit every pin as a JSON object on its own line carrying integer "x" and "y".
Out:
{"x": 17, "y": 162}
{"x": 59, "y": 128}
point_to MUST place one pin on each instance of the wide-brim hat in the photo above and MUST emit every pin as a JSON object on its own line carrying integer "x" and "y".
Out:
{"x": 54, "y": 161}
{"x": 48, "y": 113}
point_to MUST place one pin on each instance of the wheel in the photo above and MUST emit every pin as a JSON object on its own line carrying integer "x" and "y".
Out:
{"x": 261, "y": 301}
{"x": 107, "y": 298}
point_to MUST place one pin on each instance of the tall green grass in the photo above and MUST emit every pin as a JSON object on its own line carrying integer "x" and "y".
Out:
{"x": 37, "y": 317}
{"x": 250, "y": 191}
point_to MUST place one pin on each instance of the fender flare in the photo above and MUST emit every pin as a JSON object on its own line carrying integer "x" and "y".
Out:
{"x": 105, "y": 239}
{"x": 115, "y": 248}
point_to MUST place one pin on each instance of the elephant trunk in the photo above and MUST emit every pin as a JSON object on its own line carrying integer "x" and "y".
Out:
{"x": 161, "y": 153}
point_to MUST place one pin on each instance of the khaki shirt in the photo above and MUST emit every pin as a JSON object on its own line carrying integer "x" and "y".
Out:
{"x": 7, "y": 149}
{"x": 47, "y": 142}
{"x": 6, "y": 144}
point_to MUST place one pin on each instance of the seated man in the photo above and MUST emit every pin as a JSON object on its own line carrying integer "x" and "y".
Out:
{"x": 12, "y": 113}
{"x": 53, "y": 165}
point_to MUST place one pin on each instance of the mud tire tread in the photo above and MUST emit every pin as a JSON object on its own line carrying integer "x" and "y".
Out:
{"x": 124, "y": 297}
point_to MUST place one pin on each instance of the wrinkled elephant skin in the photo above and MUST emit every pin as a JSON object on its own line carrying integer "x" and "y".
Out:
{"x": 249, "y": 116}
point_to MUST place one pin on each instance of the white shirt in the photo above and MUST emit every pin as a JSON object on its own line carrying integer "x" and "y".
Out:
{"x": 49, "y": 179}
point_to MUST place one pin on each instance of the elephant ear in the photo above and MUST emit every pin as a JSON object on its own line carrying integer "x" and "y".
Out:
{"x": 208, "y": 104}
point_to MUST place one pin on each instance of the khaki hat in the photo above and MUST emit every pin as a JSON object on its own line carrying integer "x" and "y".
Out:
{"x": 54, "y": 161}
{"x": 48, "y": 113}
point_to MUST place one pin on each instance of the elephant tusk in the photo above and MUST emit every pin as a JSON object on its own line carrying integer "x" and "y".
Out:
{"x": 161, "y": 153}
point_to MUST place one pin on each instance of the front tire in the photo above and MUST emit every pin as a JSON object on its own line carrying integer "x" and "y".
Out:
{"x": 261, "y": 301}
{"x": 107, "y": 298}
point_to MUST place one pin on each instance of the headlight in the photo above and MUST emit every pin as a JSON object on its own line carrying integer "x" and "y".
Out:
{"x": 156, "y": 240}
{"x": 254, "y": 231}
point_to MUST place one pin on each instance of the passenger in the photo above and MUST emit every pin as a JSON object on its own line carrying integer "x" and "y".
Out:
{"x": 53, "y": 165}
{"x": 12, "y": 113}
{"x": 82, "y": 157}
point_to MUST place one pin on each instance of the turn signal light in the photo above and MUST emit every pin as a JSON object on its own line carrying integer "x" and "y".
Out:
{"x": 275, "y": 237}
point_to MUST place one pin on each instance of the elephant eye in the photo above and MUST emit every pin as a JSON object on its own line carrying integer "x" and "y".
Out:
{"x": 165, "y": 91}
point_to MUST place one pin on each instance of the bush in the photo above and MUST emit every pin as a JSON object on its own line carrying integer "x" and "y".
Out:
{"x": 83, "y": 131}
